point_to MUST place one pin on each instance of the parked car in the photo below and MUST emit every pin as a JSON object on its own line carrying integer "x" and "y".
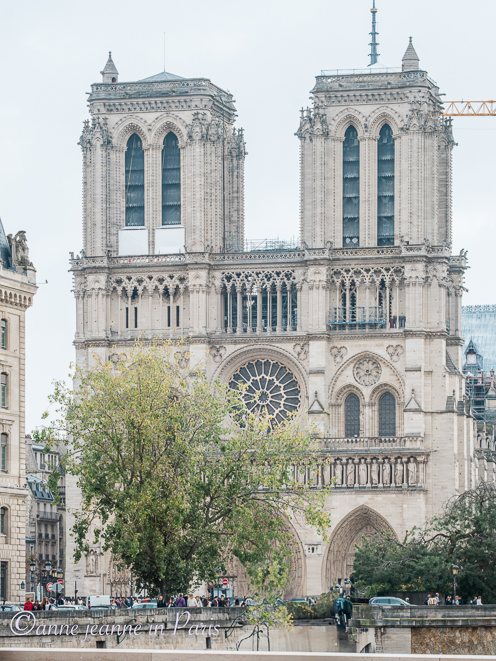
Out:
{"x": 11, "y": 607}
{"x": 69, "y": 607}
{"x": 388, "y": 601}
{"x": 147, "y": 604}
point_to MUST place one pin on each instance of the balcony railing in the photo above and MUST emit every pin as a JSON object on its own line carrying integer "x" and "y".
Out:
{"x": 361, "y": 316}
{"x": 379, "y": 443}
{"x": 48, "y": 516}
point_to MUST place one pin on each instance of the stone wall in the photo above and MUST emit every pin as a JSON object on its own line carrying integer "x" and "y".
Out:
{"x": 156, "y": 629}
{"x": 454, "y": 640}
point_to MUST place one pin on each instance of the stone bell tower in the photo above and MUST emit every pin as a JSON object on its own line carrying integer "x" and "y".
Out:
{"x": 163, "y": 166}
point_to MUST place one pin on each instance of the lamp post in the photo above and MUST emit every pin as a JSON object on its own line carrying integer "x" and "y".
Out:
{"x": 454, "y": 569}
{"x": 48, "y": 567}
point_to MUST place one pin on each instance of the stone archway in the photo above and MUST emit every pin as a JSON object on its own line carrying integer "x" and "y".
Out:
{"x": 237, "y": 575}
{"x": 361, "y": 522}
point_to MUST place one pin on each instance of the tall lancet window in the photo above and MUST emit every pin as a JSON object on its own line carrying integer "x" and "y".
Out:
{"x": 171, "y": 181}
{"x": 385, "y": 187}
{"x": 135, "y": 182}
{"x": 351, "y": 188}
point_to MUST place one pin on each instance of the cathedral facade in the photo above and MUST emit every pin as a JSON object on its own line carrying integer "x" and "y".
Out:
{"x": 357, "y": 329}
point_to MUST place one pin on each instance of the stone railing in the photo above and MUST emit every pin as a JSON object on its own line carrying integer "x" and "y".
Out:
{"x": 416, "y": 616}
{"x": 386, "y": 443}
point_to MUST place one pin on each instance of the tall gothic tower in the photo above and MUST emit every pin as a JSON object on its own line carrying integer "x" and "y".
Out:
{"x": 357, "y": 331}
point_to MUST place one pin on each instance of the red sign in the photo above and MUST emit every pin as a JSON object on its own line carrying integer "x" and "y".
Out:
{"x": 211, "y": 584}
{"x": 50, "y": 587}
{"x": 225, "y": 582}
{"x": 60, "y": 581}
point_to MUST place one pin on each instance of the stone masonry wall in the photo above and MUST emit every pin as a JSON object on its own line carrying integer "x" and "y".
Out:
{"x": 454, "y": 640}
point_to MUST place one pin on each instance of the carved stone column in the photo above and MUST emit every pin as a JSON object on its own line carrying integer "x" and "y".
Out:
{"x": 279, "y": 308}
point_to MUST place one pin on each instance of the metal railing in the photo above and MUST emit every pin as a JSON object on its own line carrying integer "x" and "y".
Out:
{"x": 50, "y": 516}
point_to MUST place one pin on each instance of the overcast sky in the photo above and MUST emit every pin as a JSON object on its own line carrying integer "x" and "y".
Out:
{"x": 267, "y": 54}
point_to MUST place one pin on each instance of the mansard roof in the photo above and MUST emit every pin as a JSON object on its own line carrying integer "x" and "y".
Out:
{"x": 5, "y": 252}
{"x": 163, "y": 75}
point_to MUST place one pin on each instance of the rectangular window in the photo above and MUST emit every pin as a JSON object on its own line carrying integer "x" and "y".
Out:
{"x": 177, "y": 316}
{"x": 3, "y": 452}
{"x": 3, "y": 334}
{"x": 3, "y": 391}
{"x": 3, "y": 580}
{"x": 127, "y": 317}
{"x": 136, "y": 317}
{"x": 168, "y": 316}
{"x": 2, "y": 521}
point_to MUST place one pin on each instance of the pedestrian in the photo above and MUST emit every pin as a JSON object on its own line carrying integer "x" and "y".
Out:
{"x": 161, "y": 602}
{"x": 426, "y": 600}
{"x": 45, "y": 604}
{"x": 236, "y": 602}
{"x": 438, "y": 601}
{"x": 204, "y": 601}
{"x": 191, "y": 601}
{"x": 180, "y": 601}
{"x": 199, "y": 603}
{"x": 28, "y": 606}
{"x": 448, "y": 601}
{"x": 36, "y": 605}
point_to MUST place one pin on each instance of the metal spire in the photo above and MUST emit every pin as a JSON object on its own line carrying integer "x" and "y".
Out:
{"x": 374, "y": 43}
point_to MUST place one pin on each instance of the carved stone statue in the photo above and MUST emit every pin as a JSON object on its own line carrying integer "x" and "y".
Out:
{"x": 374, "y": 473}
{"x": 350, "y": 471}
{"x": 412, "y": 473}
{"x": 91, "y": 563}
{"x": 398, "y": 472}
{"x": 362, "y": 473}
{"x": 386, "y": 474}
{"x": 19, "y": 249}
{"x": 338, "y": 473}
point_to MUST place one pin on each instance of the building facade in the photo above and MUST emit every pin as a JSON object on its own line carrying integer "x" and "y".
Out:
{"x": 358, "y": 328}
{"x": 17, "y": 288}
{"x": 45, "y": 519}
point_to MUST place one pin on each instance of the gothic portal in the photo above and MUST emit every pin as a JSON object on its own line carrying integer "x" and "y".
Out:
{"x": 358, "y": 328}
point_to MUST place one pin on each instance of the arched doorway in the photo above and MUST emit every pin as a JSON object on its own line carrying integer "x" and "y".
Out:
{"x": 237, "y": 575}
{"x": 362, "y": 522}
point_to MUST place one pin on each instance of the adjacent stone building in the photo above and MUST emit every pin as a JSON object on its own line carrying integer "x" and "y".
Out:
{"x": 45, "y": 519}
{"x": 358, "y": 328}
{"x": 17, "y": 288}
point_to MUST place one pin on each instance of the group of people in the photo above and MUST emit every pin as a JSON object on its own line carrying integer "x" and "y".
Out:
{"x": 451, "y": 600}
{"x": 190, "y": 601}
{"x": 45, "y": 604}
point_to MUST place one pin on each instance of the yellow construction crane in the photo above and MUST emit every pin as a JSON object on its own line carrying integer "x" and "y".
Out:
{"x": 469, "y": 108}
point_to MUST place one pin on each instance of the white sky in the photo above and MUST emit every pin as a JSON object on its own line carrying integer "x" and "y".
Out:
{"x": 267, "y": 54}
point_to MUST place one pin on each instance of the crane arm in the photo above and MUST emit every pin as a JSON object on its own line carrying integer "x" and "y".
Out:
{"x": 469, "y": 108}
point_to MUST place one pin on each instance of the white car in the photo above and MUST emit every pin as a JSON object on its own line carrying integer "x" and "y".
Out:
{"x": 388, "y": 601}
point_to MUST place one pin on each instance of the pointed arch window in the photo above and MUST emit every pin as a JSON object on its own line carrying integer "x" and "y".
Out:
{"x": 135, "y": 182}
{"x": 385, "y": 187}
{"x": 171, "y": 181}
{"x": 351, "y": 188}
{"x": 387, "y": 415}
{"x": 352, "y": 416}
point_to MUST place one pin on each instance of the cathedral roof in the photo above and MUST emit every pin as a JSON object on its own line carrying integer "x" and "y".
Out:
{"x": 163, "y": 75}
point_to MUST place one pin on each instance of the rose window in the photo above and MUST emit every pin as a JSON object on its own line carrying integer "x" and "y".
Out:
{"x": 367, "y": 372}
{"x": 270, "y": 387}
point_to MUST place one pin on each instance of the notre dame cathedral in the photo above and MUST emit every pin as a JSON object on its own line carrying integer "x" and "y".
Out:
{"x": 357, "y": 328}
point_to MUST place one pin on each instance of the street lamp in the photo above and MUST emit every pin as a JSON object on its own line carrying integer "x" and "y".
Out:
{"x": 454, "y": 569}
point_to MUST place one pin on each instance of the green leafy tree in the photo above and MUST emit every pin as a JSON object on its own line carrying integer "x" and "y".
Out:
{"x": 176, "y": 475}
{"x": 464, "y": 533}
